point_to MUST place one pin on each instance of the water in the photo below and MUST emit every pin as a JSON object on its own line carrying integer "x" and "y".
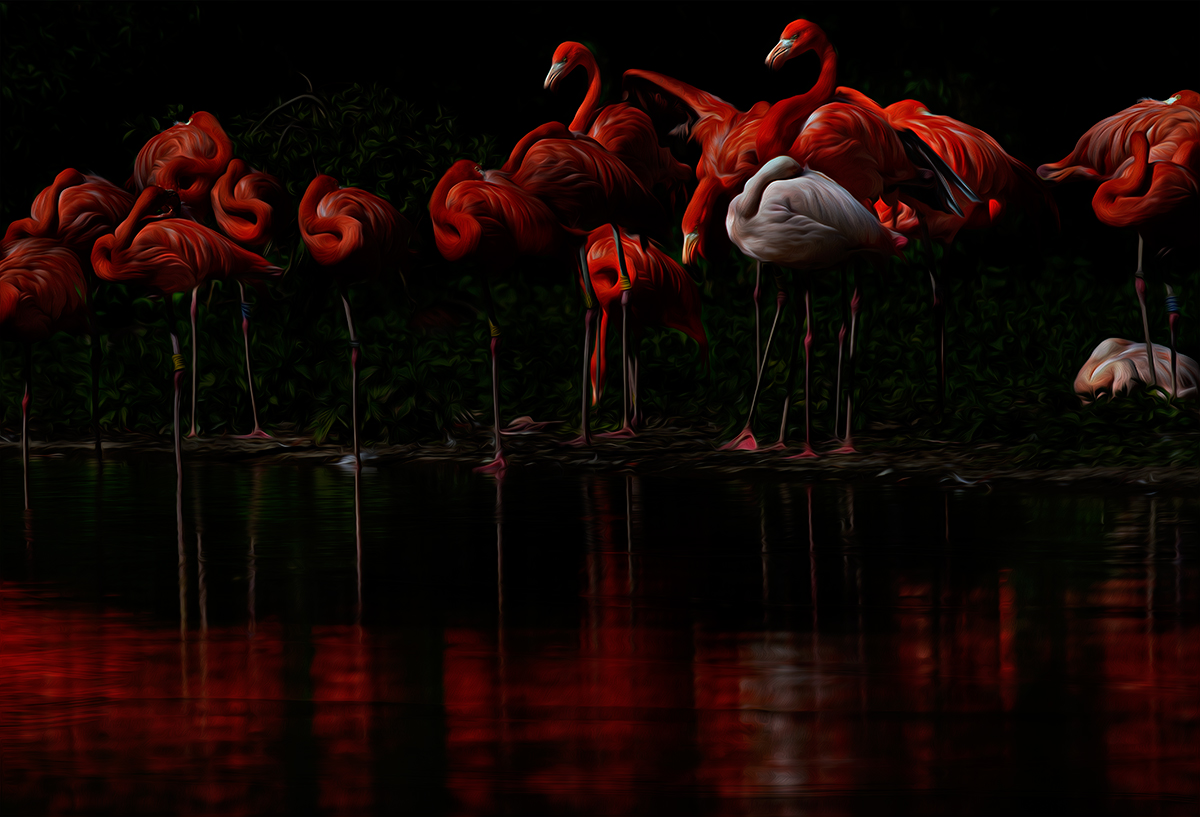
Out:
{"x": 577, "y": 643}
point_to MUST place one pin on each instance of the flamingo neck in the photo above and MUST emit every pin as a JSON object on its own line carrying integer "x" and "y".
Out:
{"x": 127, "y": 229}
{"x": 786, "y": 118}
{"x": 588, "y": 108}
{"x": 1133, "y": 183}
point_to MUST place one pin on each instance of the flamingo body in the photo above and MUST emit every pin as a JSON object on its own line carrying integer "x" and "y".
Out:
{"x": 249, "y": 206}
{"x": 188, "y": 158}
{"x": 42, "y": 290}
{"x": 1117, "y": 365}
{"x": 354, "y": 233}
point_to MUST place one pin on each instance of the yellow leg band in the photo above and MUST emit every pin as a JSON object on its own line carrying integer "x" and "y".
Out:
{"x": 179, "y": 364}
{"x": 495, "y": 330}
{"x": 626, "y": 284}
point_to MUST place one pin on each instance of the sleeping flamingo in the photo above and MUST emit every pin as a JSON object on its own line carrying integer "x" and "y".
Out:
{"x": 1117, "y": 365}
{"x": 251, "y": 207}
{"x": 42, "y": 291}
{"x": 801, "y": 219}
{"x": 356, "y": 236}
{"x": 171, "y": 255}
{"x": 188, "y": 158}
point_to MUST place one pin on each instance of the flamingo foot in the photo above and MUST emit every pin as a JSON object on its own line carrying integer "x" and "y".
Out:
{"x": 582, "y": 441}
{"x": 742, "y": 442}
{"x": 256, "y": 434}
{"x": 778, "y": 445}
{"x": 624, "y": 433}
{"x": 806, "y": 454}
{"x": 846, "y": 448}
{"x": 190, "y": 434}
{"x": 495, "y": 467}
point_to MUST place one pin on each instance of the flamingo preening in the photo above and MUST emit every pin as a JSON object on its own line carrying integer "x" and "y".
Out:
{"x": 172, "y": 255}
{"x": 801, "y": 219}
{"x": 1107, "y": 149}
{"x": 356, "y": 236}
{"x": 663, "y": 295}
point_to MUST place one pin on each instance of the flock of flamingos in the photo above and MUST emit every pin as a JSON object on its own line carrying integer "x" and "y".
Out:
{"x": 803, "y": 184}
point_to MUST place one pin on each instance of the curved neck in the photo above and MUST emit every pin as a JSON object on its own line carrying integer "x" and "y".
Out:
{"x": 318, "y": 189}
{"x": 145, "y": 205}
{"x": 786, "y": 119}
{"x": 1133, "y": 183}
{"x": 746, "y": 206}
{"x": 587, "y": 110}
{"x": 45, "y": 206}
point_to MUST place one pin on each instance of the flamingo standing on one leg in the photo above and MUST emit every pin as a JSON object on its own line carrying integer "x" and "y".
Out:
{"x": 250, "y": 207}
{"x": 356, "y": 235}
{"x": 75, "y": 210}
{"x": 802, "y": 219}
{"x": 1002, "y": 183}
{"x": 42, "y": 291}
{"x": 483, "y": 216}
{"x": 172, "y": 255}
{"x": 1162, "y": 201}
{"x": 189, "y": 158}
{"x": 665, "y": 295}
{"x": 1105, "y": 149}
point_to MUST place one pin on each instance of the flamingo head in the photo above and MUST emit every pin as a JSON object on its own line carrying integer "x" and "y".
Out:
{"x": 567, "y": 57}
{"x": 1186, "y": 99}
{"x": 690, "y": 242}
{"x": 798, "y": 37}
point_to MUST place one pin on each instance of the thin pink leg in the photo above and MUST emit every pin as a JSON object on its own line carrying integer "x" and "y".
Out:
{"x": 195, "y": 346}
{"x": 257, "y": 433}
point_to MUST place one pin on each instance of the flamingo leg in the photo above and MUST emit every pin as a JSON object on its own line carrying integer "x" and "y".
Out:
{"x": 257, "y": 433}
{"x": 354, "y": 347}
{"x": 745, "y": 440}
{"x": 179, "y": 366}
{"x": 26, "y": 401}
{"x": 498, "y": 463}
{"x": 589, "y": 321}
{"x": 808, "y": 346}
{"x": 195, "y": 349}
{"x": 96, "y": 361}
{"x": 837, "y": 389}
{"x": 1172, "y": 322}
{"x": 1139, "y": 285}
{"x": 791, "y": 384}
{"x": 626, "y": 285}
{"x": 757, "y": 316}
{"x": 939, "y": 316}
{"x": 847, "y": 446}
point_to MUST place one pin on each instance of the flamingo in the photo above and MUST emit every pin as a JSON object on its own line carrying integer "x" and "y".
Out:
{"x": 75, "y": 210}
{"x": 172, "y": 255}
{"x": 250, "y": 207}
{"x": 188, "y": 158}
{"x": 1107, "y": 147}
{"x": 1116, "y": 365}
{"x": 357, "y": 236}
{"x": 802, "y": 219}
{"x": 1001, "y": 182}
{"x": 665, "y": 296}
{"x": 1162, "y": 203}
{"x": 485, "y": 217}
{"x": 42, "y": 291}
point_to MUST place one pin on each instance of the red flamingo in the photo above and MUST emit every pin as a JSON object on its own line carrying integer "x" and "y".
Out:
{"x": 357, "y": 236}
{"x": 250, "y": 207}
{"x": 188, "y": 158}
{"x": 1002, "y": 183}
{"x": 75, "y": 209}
{"x": 623, "y": 130}
{"x": 1117, "y": 365}
{"x": 1161, "y": 200}
{"x": 172, "y": 255}
{"x": 42, "y": 291}
{"x": 1107, "y": 147}
{"x": 485, "y": 217}
{"x": 664, "y": 295}
{"x": 802, "y": 219}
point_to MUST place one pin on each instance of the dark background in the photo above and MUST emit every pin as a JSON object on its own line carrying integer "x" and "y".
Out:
{"x": 77, "y": 76}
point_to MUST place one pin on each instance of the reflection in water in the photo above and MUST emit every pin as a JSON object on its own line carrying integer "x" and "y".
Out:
{"x": 661, "y": 646}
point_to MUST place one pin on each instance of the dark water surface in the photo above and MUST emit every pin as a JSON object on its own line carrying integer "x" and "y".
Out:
{"x": 575, "y": 643}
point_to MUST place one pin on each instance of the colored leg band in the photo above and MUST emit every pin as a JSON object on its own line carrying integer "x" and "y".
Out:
{"x": 1172, "y": 303}
{"x": 179, "y": 364}
{"x": 246, "y": 310}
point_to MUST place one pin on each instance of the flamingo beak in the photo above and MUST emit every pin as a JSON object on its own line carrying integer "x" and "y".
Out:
{"x": 555, "y": 72}
{"x": 780, "y": 54}
{"x": 689, "y": 248}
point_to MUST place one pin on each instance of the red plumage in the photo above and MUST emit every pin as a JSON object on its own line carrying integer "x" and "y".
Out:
{"x": 356, "y": 234}
{"x": 187, "y": 158}
{"x": 250, "y": 206}
{"x": 1107, "y": 145}
{"x": 1161, "y": 199}
{"x": 662, "y": 293}
{"x": 42, "y": 290}
{"x": 75, "y": 209}
{"x": 171, "y": 254}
